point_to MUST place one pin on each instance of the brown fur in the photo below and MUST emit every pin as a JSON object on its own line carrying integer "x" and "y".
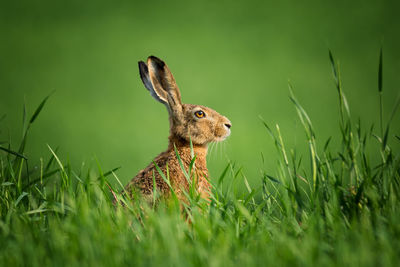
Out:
{"x": 185, "y": 126}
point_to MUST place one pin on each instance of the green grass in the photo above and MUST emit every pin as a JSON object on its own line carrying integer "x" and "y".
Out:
{"x": 339, "y": 206}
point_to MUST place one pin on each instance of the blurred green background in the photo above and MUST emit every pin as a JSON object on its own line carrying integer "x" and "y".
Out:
{"x": 233, "y": 56}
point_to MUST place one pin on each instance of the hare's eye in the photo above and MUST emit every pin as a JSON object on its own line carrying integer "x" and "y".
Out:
{"x": 199, "y": 114}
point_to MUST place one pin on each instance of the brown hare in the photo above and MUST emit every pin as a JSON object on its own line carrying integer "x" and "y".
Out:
{"x": 188, "y": 123}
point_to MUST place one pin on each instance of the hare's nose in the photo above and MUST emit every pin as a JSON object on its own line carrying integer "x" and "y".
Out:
{"x": 228, "y": 125}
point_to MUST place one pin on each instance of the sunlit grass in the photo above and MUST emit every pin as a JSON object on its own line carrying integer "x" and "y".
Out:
{"x": 340, "y": 207}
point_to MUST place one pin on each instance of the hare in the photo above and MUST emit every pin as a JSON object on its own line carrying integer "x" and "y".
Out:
{"x": 188, "y": 123}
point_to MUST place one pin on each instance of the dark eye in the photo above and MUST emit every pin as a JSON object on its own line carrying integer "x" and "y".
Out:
{"x": 199, "y": 114}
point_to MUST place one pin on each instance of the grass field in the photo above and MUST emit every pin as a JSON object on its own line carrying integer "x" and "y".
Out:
{"x": 339, "y": 206}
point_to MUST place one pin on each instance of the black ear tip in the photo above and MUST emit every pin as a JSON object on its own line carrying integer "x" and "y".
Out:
{"x": 143, "y": 70}
{"x": 157, "y": 61}
{"x": 142, "y": 66}
{"x": 154, "y": 57}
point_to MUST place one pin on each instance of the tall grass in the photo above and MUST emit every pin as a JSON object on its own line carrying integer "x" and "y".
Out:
{"x": 341, "y": 209}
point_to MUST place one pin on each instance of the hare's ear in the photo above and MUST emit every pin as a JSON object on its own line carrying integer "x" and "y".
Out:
{"x": 161, "y": 95}
{"x": 163, "y": 81}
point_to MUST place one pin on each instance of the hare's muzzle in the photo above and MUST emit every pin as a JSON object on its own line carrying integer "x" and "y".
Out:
{"x": 226, "y": 129}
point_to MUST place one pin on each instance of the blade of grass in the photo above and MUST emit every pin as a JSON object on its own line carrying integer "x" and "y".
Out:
{"x": 24, "y": 194}
{"x": 380, "y": 87}
{"x": 64, "y": 175}
{"x": 33, "y": 118}
{"x": 116, "y": 178}
{"x": 181, "y": 165}
{"x": 108, "y": 173}
{"x": 154, "y": 190}
{"x": 13, "y": 153}
{"x": 166, "y": 179}
{"x": 39, "y": 108}
{"x": 223, "y": 174}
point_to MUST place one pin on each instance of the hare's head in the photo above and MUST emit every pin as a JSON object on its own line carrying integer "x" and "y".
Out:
{"x": 200, "y": 124}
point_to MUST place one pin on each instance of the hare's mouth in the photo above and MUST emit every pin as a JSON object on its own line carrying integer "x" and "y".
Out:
{"x": 222, "y": 138}
{"x": 222, "y": 131}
